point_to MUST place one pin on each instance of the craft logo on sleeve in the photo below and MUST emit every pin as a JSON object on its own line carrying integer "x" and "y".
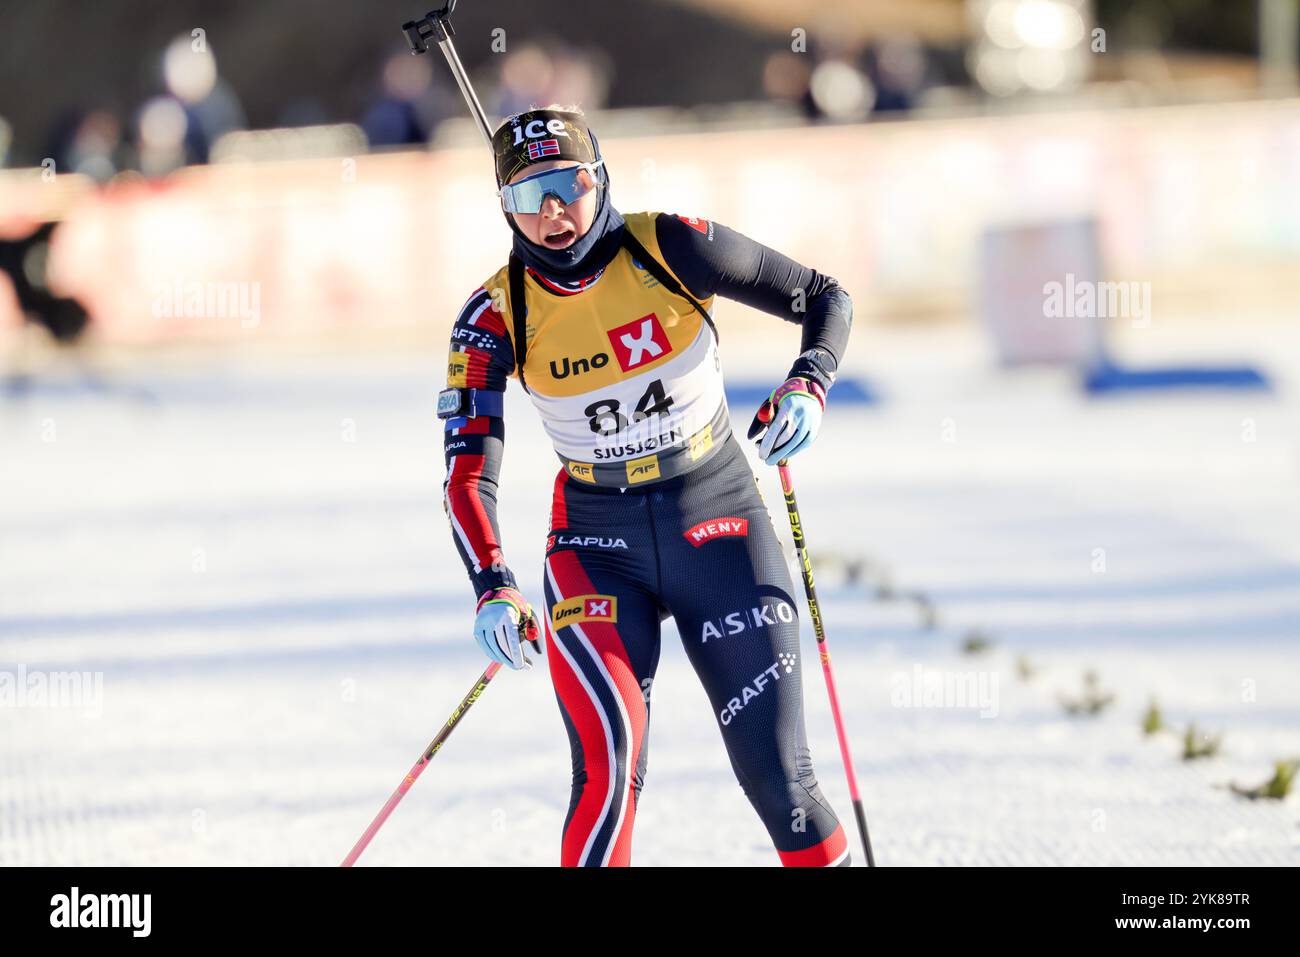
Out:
{"x": 639, "y": 342}
{"x": 130, "y": 911}
{"x": 713, "y": 528}
{"x": 643, "y": 469}
{"x": 584, "y": 608}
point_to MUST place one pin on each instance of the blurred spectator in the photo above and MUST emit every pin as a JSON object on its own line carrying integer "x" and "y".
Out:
{"x": 541, "y": 73}
{"x": 161, "y": 127}
{"x": 580, "y": 77}
{"x": 180, "y": 126}
{"x": 898, "y": 71}
{"x": 787, "y": 77}
{"x": 824, "y": 81}
{"x": 526, "y": 80}
{"x": 840, "y": 91}
{"x": 409, "y": 106}
{"x": 211, "y": 106}
{"x": 90, "y": 143}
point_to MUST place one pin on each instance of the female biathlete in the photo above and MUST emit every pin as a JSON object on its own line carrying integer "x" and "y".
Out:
{"x": 606, "y": 322}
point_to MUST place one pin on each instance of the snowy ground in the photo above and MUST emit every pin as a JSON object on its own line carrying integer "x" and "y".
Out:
{"x": 258, "y": 564}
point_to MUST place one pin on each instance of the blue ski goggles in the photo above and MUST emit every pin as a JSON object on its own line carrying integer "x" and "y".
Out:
{"x": 568, "y": 185}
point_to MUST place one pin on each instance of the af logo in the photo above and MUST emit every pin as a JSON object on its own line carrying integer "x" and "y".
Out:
{"x": 643, "y": 469}
{"x": 639, "y": 342}
{"x": 457, "y": 369}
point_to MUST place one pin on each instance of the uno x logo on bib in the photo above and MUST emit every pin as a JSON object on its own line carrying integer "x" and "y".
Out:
{"x": 639, "y": 341}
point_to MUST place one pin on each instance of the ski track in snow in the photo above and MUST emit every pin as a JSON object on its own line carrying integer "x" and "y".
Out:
{"x": 258, "y": 563}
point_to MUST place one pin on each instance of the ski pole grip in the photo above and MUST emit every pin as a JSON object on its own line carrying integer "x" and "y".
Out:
{"x": 532, "y": 631}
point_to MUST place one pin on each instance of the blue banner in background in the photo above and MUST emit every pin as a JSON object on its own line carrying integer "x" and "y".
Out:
{"x": 844, "y": 392}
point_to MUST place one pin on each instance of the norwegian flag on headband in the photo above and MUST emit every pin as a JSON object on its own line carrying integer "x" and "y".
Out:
{"x": 543, "y": 148}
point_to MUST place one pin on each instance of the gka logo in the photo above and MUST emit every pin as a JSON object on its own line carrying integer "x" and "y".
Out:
{"x": 578, "y": 366}
{"x": 639, "y": 341}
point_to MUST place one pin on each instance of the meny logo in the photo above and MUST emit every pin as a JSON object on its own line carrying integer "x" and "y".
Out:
{"x": 712, "y": 528}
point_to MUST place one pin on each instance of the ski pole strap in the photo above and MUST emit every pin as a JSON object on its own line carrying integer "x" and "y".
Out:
{"x": 657, "y": 269}
{"x": 518, "y": 315}
{"x": 504, "y": 596}
{"x": 515, "y": 599}
{"x": 798, "y": 385}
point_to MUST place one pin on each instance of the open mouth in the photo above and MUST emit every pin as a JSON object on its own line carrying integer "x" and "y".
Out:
{"x": 560, "y": 238}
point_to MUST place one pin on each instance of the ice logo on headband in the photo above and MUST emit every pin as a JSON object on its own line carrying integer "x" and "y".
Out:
{"x": 536, "y": 129}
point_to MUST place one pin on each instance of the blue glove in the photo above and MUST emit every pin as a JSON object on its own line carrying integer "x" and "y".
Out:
{"x": 504, "y": 621}
{"x": 788, "y": 420}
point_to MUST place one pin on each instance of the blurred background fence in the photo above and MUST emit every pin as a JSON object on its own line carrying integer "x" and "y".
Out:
{"x": 301, "y": 160}
{"x": 896, "y": 211}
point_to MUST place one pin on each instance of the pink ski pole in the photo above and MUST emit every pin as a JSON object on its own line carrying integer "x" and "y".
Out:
{"x": 421, "y": 764}
{"x": 530, "y": 634}
{"x": 796, "y": 529}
